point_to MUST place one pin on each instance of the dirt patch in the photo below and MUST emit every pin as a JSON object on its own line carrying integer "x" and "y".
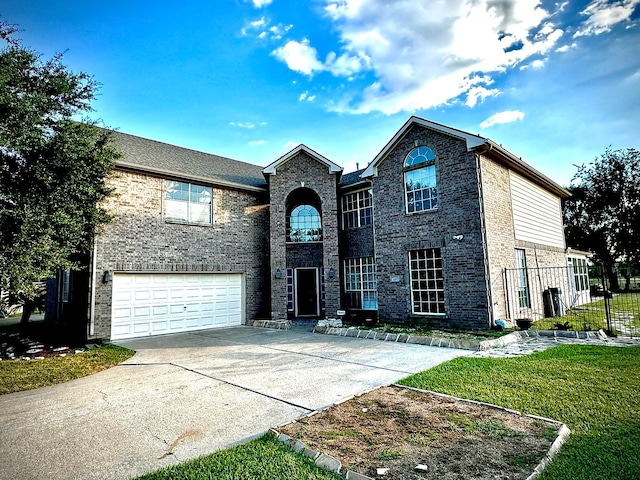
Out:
{"x": 399, "y": 429}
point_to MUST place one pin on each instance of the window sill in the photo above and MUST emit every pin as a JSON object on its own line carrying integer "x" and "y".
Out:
{"x": 303, "y": 243}
{"x": 192, "y": 224}
{"x": 422, "y": 211}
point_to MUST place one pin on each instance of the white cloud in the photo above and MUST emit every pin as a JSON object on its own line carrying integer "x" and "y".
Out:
{"x": 419, "y": 55}
{"x": 299, "y": 57}
{"x": 305, "y": 96}
{"x": 507, "y": 116}
{"x": 262, "y": 29}
{"x": 260, "y": 3}
{"x": 536, "y": 64}
{"x": 476, "y": 94}
{"x": 604, "y": 14}
{"x": 290, "y": 145}
{"x": 242, "y": 124}
{"x": 566, "y": 48}
{"x": 256, "y": 142}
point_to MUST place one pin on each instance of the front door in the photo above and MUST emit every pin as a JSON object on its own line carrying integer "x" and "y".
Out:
{"x": 307, "y": 304}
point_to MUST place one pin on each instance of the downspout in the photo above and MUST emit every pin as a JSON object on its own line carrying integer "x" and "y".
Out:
{"x": 485, "y": 242}
{"x": 92, "y": 307}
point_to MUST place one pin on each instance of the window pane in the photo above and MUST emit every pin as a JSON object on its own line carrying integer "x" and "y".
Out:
{"x": 177, "y": 210}
{"x": 427, "y": 285}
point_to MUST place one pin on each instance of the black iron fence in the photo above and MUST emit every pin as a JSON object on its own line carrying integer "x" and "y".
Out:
{"x": 574, "y": 297}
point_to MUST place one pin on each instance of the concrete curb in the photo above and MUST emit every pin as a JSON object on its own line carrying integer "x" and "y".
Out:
{"x": 330, "y": 463}
{"x": 473, "y": 345}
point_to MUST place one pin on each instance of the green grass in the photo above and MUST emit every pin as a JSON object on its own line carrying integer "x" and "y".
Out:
{"x": 594, "y": 390}
{"x": 592, "y": 316}
{"x": 262, "y": 459}
{"x": 19, "y": 375}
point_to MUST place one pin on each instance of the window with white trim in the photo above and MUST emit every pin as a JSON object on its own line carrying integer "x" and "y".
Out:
{"x": 357, "y": 209}
{"x": 188, "y": 203}
{"x": 360, "y": 283}
{"x": 524, "y": 300}
{"x": 420, "y": 184}
{"x": 427, "y": 281}
{"x": 580, "y": 273}
{"x": 304, "y": 224}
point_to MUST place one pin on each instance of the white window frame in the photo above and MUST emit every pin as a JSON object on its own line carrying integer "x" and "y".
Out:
{"x": 426, "y": 274}
{"x": 357, "y": 209}
{"x": 420, "y": 162}
{"x": 360, "y": 279}
{"x": 188, "y": 210}
{"x": 522, "y": 275}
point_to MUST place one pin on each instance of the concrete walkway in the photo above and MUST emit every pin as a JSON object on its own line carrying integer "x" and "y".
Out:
{"x": 186, "y": 395}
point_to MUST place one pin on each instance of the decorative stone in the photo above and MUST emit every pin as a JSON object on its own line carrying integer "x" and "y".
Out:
{"x": 382, "y": 471}
{"x": 308, "y": 452}
{"x": 328, "y": 462}
{"x": 421, "y": 467}
{"x": 351, "y": 475}
{"x": 298, "y": 446}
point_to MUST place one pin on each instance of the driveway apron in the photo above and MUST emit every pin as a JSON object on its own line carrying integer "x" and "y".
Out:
{"x": 185, "y": 395}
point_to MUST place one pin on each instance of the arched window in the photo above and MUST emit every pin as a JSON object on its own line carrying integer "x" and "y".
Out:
{"x": 421, "y": 193}
{"x": 304, "y": 224}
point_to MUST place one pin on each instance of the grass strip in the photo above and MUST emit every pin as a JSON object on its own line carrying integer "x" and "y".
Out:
{"x": 19, "y": 375}
{"x": 264, "y": 458}
{"x": 595, "y": 390}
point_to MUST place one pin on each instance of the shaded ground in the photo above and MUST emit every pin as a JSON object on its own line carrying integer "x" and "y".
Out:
{"x": 400, "y": 429}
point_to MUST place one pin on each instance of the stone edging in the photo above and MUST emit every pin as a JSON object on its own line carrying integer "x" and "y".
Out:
{"x": 333, "y": 464}
{"x": 508, "y": 339}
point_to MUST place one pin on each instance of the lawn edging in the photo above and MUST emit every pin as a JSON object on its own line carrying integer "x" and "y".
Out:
{"x": 333, "y": 464}
{"x": 461, "y": 343}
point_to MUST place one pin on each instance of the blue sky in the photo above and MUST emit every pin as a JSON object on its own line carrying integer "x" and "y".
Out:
{"x": 553, "y": 82}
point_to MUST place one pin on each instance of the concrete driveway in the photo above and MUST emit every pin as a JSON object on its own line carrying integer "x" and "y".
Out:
{"x": 185, "y": 395}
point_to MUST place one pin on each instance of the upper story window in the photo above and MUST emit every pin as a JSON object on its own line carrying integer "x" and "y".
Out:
{"x": 357, "y": 209}
{"x": 304, "y": 224}
{"x": 421, "y": 192}
{"x": 188, "y": 203}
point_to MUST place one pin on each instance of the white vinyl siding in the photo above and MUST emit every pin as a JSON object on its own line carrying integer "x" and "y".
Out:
{"x": 158, "y": 303}
{"x": 537, "y": 214}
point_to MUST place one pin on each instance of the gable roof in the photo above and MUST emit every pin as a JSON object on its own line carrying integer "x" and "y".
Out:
{"x": 145, "y": 155}
{"x": 477, "y": 143}
{"x": 272, "y": 167}
{"x": 352, "y": 178}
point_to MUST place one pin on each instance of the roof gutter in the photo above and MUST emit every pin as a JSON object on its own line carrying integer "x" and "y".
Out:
{"x": 516, "y": 164}
{"x": 185, "y": 176}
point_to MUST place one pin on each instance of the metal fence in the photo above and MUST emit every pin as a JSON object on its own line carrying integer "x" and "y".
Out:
{"x": 574, "y": 297}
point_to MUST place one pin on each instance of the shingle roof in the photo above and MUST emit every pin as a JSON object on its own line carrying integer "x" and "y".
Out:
{"x": 161, "y": 158}
{"x": 351, "y": 178}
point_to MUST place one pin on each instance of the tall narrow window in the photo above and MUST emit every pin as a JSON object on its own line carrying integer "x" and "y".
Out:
{"x": 421, "y": 192}
{"x": 187, "y": 202}
{"x": 427, "y": 281}
{"x": 580, "y": 274}
{"x": 524, "y": 300}
{"x": 360, "y": 283}
{"x": 304, "y": 224}
{"x": 357, "y": 209}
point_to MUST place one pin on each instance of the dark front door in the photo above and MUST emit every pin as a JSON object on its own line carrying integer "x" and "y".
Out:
{"x": 307, "y": 292}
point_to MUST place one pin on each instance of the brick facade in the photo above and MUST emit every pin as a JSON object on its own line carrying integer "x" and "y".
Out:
{"x": 303, "y": 172}
{"x": 472, "y": 227}
{"x": 458, "y": 213}
{"x": 140, "y": 240}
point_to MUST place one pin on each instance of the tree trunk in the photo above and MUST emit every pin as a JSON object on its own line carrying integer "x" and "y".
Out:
{"x": 612, "y": 275}
{"x": 27, "y": 310}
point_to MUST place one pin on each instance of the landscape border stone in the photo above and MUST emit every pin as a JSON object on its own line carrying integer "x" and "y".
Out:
{"x": 326, "y": 328}
{"x": 330, "y": 463}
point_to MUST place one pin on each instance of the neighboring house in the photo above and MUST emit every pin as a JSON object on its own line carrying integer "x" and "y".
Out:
{"x": 425, "y": 233}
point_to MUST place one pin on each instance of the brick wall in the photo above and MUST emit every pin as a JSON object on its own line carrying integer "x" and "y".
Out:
{"x": 501, "y": 240}
{"x": 290, "y": 176}
{"x": 139, "y": 239}
{"x": 396, "y": 233}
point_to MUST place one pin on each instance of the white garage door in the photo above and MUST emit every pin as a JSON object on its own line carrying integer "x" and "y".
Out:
{"x": 157, "y": 303}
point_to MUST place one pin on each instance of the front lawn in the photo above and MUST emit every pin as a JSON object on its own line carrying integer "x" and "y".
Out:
{"x": 18, "y": 375}
{"x": 262, "y": 459}
{"x": 593, "y": 389}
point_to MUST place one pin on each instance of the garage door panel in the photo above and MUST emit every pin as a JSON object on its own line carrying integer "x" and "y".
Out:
{"x": 152, "y": 304}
